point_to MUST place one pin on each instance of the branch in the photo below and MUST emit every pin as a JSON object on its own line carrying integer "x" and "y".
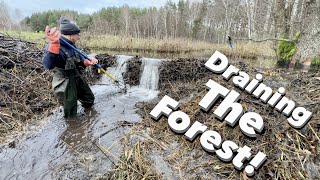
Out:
{"x": 268, "y": 39}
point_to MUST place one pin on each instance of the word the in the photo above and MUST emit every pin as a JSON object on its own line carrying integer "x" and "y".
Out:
{"x": 249, "y": 122}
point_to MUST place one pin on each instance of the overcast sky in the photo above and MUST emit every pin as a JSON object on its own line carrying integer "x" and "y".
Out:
{"x": 27, "y": 7}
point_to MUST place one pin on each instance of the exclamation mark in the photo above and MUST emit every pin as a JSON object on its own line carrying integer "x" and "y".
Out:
{"x": 255, "y": 163}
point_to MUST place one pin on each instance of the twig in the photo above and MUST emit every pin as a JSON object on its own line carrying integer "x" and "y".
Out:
{"x": 298, "y": 154}
{"x": 124, "y": 123}
{"x": 106, "y": 151}
{"x": 8, "y": 125}
{"x": 314, "y": 132}
{"x": 82, "y": 156}
{"x": 267, "y": 39}
{"x": 14, "y": 76}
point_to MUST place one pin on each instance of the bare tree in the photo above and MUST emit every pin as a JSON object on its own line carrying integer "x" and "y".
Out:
{"x": 5, "y": 19}
{"x": 125, "y": 19}
{"x": 309, "y": 42}
{"x": 268, "y": 18}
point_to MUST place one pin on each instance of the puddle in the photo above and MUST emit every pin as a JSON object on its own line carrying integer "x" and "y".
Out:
{"x": 67, "y": 149}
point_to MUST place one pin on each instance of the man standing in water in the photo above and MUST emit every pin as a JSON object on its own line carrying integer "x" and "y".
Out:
{"x": 68, "y": 83}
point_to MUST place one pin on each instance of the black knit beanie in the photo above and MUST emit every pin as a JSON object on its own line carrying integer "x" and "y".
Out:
{"x": 67, "y": 27}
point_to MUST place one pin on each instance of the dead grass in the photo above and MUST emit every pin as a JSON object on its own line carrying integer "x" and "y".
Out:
{"x": 244, "y": 49}
{"x": 132, "y": 164}
{"x": 106, "y": 42}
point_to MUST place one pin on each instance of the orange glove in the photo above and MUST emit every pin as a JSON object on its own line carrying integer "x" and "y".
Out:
{"x": 93, "y": 61}
{"x": 53, "y": 36}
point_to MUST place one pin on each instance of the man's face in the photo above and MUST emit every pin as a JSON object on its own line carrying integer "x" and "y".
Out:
{"x": 75, "y": 37}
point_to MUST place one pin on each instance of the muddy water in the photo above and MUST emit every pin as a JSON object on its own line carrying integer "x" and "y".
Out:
{"x": 67, "y": 149}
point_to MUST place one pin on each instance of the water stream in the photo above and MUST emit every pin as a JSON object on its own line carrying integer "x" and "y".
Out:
{"x": 150, "y": 75}
{"x": 67, "y": 149}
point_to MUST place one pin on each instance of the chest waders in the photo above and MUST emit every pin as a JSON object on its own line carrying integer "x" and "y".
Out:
{"x": 69, "y": 86}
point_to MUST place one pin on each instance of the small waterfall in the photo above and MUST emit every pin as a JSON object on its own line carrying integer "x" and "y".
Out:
{"x": 122, "y": 66}
{"x": 117, "y": 72}
{"x": 150, "y": 75}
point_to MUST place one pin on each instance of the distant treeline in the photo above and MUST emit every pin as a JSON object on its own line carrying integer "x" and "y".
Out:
{"x": 38, "y": 21}
{"x": 209, "y": 20}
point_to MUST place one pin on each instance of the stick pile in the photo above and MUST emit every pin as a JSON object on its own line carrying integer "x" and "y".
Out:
{"x": 25, "y": 86}
{"x": 105, "y": 60}
{"x": 133, "y": 72}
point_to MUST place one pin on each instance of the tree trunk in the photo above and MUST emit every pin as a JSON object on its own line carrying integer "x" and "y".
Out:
{"x": 309, "y": 41}
{"x": 279, "y": 17}
{"x": 268, "y": 20}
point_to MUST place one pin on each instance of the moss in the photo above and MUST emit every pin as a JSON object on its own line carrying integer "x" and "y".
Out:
{"x": 287, "y": 49}
{"x": 316, "y": 61}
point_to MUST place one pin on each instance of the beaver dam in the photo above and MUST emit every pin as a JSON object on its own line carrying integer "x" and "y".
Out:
{"x": 118, "y": 139}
